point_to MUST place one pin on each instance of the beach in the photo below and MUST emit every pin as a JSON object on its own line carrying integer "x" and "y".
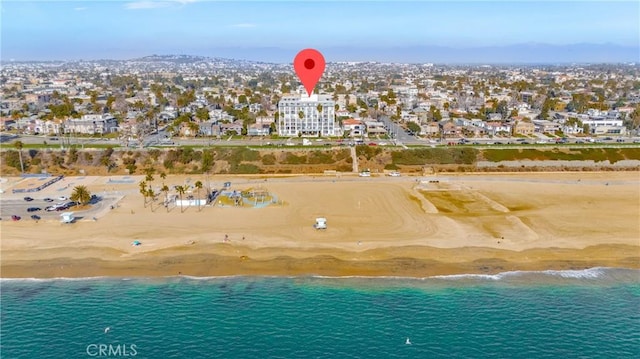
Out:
{"x": 378, "y": 226}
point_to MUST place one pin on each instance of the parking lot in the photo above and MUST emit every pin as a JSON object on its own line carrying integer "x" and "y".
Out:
{"x": 19, "y": 207}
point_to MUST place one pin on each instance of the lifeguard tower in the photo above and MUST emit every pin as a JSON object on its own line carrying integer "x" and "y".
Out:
{"x": 67, "y": 217}
{"x": 321, "y": 223}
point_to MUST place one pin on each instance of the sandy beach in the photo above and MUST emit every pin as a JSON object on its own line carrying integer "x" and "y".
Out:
{"x": 378, "y": 226}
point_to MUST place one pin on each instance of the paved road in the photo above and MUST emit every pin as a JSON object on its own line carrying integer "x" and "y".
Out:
{"x": 400, "y": 136}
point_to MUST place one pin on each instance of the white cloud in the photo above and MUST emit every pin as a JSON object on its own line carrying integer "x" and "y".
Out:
{"x": 79, "y": 8}
{"x": 152, "y": 4}
{"x": 244, "y": 25}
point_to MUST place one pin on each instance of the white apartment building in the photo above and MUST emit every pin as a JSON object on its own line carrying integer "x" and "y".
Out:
{"x": 306, "y": 116}
{"x": 91, "y": 124}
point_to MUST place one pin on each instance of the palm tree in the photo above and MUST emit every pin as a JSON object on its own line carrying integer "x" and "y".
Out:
{"x": 165, "y": 189}
{"x": 163, "y": 176}
{"x": 181, "y": 190}
{"x": 198, "y": 186}
{"x": 149, "y": 174}
{"x": 143, "y": 192}
{"x": 151, "y": 195}
{"x": 81, "y": 195}
{"x": 18, "y": 145}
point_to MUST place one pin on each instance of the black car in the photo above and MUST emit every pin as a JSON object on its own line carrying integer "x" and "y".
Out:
{"x": 35, "y": 217}
{"x": 33, "y": 209}
{"x": 48, "y": 199}
{"x": 28, "y": 199}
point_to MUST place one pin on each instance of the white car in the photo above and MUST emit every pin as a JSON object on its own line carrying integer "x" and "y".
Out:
{"x": 62, "y": 198}
{"x": 394, "y": 174}
{"x": 365, "y": 174}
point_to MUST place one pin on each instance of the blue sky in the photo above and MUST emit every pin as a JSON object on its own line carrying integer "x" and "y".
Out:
{"x": 41, "y": 30}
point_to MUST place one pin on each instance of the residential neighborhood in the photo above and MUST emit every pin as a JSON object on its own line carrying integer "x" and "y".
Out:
{"x": 190, "y": 97}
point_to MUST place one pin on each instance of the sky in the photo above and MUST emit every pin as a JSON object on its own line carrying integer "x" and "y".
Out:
{"x": 268, "y": 30}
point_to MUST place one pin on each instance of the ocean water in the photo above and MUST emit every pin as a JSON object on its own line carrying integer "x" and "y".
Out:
{"x": 593, "y": 313}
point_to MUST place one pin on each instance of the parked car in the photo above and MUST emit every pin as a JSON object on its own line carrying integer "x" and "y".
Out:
{"x": 33, "y": 209}
{"x": 48, "y": 199}
{"x": 28, "y": 199}
{"x": 62, "y": 198}
{"x": 15, "y": 217}
{"x": 35, "y": 217}
{"x": 51, "y": 208}
{"x": 394, "y": 174}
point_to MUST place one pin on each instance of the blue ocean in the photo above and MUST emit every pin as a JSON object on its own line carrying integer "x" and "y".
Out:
{"x": 593, "y": 313}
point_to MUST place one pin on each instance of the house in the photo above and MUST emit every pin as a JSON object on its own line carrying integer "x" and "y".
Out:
{"x": 356, "y": 127}
{"x": 209, "y": 128}
{"x": 92, "y": 124}
{"x": 256, "y": 129}
{"x": 524, "y": 128}
{"x": 572, "y": 129}
{"x": 450, "y": 129}
{"x": 48, "y": 127}
{"x": 7, "y": 123}
{"x": 375, "y": 128}
{"x": 473, "y": 131}
{"x": 546, "y": 126}
{"x": 609, "y": 130}
{"x": 188, "y": 128}
{"x": 430, "y": 129}
{"x": 496, "y": 127}
{"x": 227, "y": 128}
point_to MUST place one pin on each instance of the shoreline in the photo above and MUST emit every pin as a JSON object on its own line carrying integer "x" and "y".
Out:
{"x": 570, "y": 273}
{"x": 204, "y": 265}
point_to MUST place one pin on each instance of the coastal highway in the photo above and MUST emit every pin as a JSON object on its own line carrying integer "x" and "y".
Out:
{"x": 402, "y": 138}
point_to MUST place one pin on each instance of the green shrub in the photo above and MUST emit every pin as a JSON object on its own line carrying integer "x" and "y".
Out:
{"x": 292, "y": 159}
{"x": 12, "y": 159}
{"x": 268, "y": 159}
{"x": 245, "y": 168}
{"x": 422, "y": 156}
{"x": 318, "y": 157}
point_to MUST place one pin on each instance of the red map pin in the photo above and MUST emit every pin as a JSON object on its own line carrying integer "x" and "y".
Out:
{"x": 309, "y": 65}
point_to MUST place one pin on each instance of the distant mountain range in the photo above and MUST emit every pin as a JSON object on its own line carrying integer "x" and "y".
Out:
{"x": 513, "y": 54}
{"x": 529, "y": 53}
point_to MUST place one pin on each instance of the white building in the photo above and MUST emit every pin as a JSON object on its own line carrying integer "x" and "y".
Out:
{"x": 91, "y": 124}
{"x": 306, "y": 116}
{"x": 599, "y": 122}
